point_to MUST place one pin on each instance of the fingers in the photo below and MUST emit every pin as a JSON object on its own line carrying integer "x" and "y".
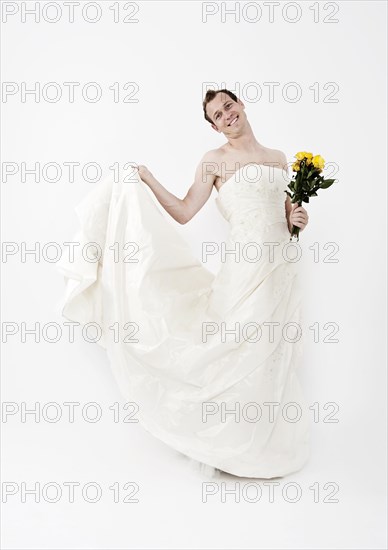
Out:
{"x": 297, "y": 220}
{"x": 303, "y": 215}
{"x": 297, "y": 208}
{"x": 299, "y": 217}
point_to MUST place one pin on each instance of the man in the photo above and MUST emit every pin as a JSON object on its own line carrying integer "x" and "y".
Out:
{"x": 226, "y": 114}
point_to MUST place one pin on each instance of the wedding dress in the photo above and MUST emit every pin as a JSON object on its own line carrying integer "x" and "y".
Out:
{"x": 206, "y": 358}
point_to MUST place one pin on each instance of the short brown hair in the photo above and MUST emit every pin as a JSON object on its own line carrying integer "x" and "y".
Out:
{"x": 211, "y": 94}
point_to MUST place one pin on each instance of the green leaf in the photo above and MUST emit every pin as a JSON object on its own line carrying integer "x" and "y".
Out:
{"x": 326, "y": 184}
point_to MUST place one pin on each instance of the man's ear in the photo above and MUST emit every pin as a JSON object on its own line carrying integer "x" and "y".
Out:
{"x": 215, "y": 128}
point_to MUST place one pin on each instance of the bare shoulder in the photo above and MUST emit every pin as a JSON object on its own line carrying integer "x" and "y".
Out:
{"x": 282, "y": 159}
{"x": 209, "y": 163}
{"x": 213, "y": 156}
{"x": 206, "y": 170}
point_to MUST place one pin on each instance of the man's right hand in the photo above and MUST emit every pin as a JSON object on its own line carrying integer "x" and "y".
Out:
{"x": 144, "y": 173}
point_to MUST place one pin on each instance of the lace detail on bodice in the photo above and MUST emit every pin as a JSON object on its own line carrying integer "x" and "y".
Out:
{"x": 254, "y": 198}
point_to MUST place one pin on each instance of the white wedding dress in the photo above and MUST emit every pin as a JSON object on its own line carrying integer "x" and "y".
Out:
{"x": 202, "y": 394}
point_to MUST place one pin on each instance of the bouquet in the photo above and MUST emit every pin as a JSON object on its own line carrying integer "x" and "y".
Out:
{"x": 307, "y": 181}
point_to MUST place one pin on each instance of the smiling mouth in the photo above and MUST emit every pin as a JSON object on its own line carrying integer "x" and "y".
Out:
{"x": 233, "y": 121}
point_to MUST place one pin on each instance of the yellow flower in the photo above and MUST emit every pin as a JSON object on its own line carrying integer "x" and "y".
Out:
{"x": 296, "y": 167}
{"x": 303, "y": 154}
{"x": 318, "y": 162}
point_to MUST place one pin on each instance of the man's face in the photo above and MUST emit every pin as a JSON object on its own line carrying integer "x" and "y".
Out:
{"x": 227, "y": 115}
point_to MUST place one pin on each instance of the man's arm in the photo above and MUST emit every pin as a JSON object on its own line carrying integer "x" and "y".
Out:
{"x": 288, "y": 212}
{"x": 182, "y": 210}
{"x": 288, "y": 203}
{"x": 201, "y": 189}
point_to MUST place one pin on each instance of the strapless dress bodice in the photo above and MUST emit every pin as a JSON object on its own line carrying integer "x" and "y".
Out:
{"x": 254, "y": 197}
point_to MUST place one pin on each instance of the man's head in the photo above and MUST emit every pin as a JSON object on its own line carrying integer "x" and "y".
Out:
{"x": 221, "y": 108}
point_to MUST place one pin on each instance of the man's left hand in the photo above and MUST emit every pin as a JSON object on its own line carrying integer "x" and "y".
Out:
{"x": 299, "y": 216}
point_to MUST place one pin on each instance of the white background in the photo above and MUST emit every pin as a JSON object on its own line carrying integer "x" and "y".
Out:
{"x": 171, "y": 52}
